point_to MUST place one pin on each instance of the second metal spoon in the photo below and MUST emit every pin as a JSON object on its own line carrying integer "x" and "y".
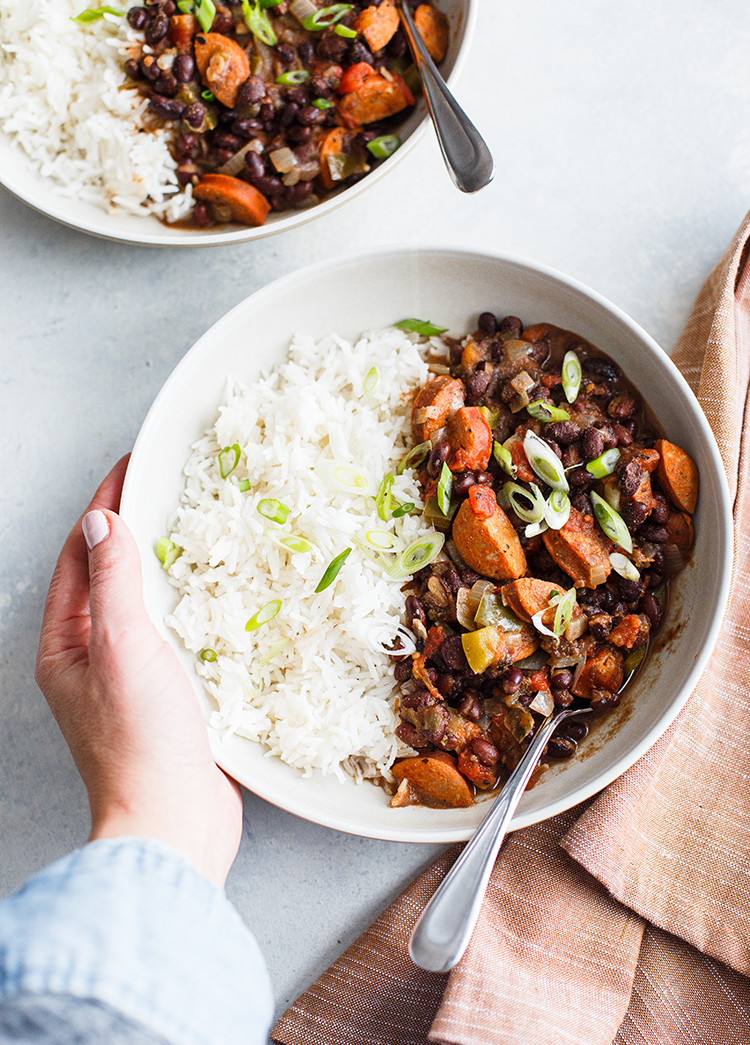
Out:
{"x": 465, "y": 152}
{"x": 444, "y": 928}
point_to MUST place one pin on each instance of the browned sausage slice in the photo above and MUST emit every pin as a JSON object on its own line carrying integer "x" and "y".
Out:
{"x": 678, "y": 475}
{"x": 580, "y": 550}
{"x": 488, "y": 545}
{"x": 470, "y": 439}
{"x": 434, "y": 404}
{"x": 435, "y": 779}
{"x": 604, "y": 669}
{"x": 223, "y": 66}
{"x": 527, "y": 596}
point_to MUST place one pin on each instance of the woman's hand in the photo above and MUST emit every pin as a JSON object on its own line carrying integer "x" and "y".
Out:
{"x": 124, "y": 705}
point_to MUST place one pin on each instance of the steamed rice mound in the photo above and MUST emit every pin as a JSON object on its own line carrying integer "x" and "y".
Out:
{"x": 313, "y": 684}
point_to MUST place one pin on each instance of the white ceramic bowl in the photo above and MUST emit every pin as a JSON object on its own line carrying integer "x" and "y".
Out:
{"x": 450, "y": 287}
{"x": 40, "y": 193}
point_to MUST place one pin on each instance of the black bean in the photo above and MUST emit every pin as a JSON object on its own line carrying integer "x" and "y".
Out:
{"x": 582, "y": 502}
{"x": 655, "y": 534}
{"x": 603, "y": 369}
{"x": 225, "y": 140}
{"x": 149, "y": 68}
{"x": 592, "y": 444}
{"x": 511, "y": 680}
{"x": 658, "y": 563}
{"x": 462, "y": 482}
{"x": 470, "y": 706}
{"x": 402, "y": 671}
{"x": 285, "y": 53}
{"x": 561, "y": 747}
{"x": 288, "y": 114}
{"x": 306, "y": 51}
{"x": 563, "y": 432}
{"x": 487, "y": 323}
{"x": 476, "y": 383}
{"x": 247, "y": 128}
{"x": 630, "y": 477}
{"x": 167, "y": 7}
{"x": 184, "y": 68}
{"x": 201, "y": 217}
{"x": 438, "y": 455}
{"x": 166, "y": 85}
{"x": 420, "y": 698}
{"x": 360, "y": 52}
{"x": 603, "y": 700}
{"x": 452, "y": 654}
{"x": 483, "y": 478}
{"x": 634, "y": 514}
{"x": 649, "y": 605}
{"x": 554, "y": 447}
{"x": 574, "y": 728}
{"x": 157, "y": 29}
{"x": 254, "y": 164}
{"x": 563, "y": 698}
{"x": 580, "y": 478}
{"x": 195, "y": 114}
{"x": 137, "y": 17}
{"x": 629, "y": 590}
{"x": 267, "y": 112}
{"x": 486, "y": 752}
{"x": 414, "y": 610}
{"x": 298, "y": 193}
{"x": 223, "y": 21}
{"x": 511, "y": 326}
{"x": 621, "y": 406}
{"x": 661, "y": 511}
{"x": 561, "y": 679}
{"x": 411, "y": 735}
{"x": 331, "y": 47}
{"x": 133, "y": 69}
{"x": 308, "y": 116}
{"x": 252, "y": 91}
{"x": 186, "y": 172}
{"x": 397, "y": 45}
{"x": 622, "y": 435}
{"x": 447, "y": 684}
{"x": 299, "y": 134}
{"x": 167, "y": 108}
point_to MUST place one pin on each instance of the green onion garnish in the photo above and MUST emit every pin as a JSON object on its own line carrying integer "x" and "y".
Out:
{"x": 383, "y": 496}
{"x": 622, "y": 565}
{"x": 403, "y": 509}
{"x": 244, "y": 485}
{"x": 346, "y": 477}
{"x": 418, "y": 555}
{"x": 520, "y": 499}
{"x": 564, "y": 611}
{"x": 290, "y": 541}
{"x": 604, "y": 464}
{"x": 557, "y": 509}
{"x": 186, "y": 6}
{"x": 270, "y": 3}
{"x": 544, "y": 462}
{"x": 167, "y": 552}
{"x": 257, "y": 22}
{"x": 274, "y": 510}
{"x": 332, "y": 570}
{"x": 208, "y": 96}
{"x": 414, "y": 457}
{"x": 205, "y": 14}
{"x": 504, "y": 458}
{"x": 384, "y": 146}
{"x": 571, "y": 376}
{"x": 229, "y": 458}
{"x": 381, "y": 540}
{"x": 370, "y": 382}
{"x": 325, "y": 17}
{"x": 420, "y": 326}
{"x": 208, "y": 654}
{"x": 611, "y": 522}
{"x": 323, "y": 104}
{"x": 293, "y": 76}
{"x": 93, "y": 14}
{"x": 264, "y": 614}
{"x": 273, "y": 651}
{"x": 546, "y": 412}
{"x": 345, "y": 31}
{"x": 444, "y": 489}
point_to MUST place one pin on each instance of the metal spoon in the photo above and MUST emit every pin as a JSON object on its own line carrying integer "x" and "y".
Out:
{"x": 464, "y": 150}
{"x": 444, "y": 929}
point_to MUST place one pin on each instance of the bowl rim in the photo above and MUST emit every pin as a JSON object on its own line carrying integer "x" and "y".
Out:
{"x": 286, "y": 283}
{"x": 24, "y": 187}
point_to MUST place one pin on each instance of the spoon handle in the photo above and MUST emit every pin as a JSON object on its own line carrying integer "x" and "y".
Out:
{"x": 444, "y": 928}
{"x": 465, "y": 152}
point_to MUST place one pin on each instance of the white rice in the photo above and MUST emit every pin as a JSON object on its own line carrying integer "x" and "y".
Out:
{"x": 62, "y": 101}
{"x": 313, "y": 685}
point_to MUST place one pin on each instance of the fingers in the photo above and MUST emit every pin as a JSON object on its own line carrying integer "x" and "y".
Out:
{"x": 65, "y": 625}
{"x": 114, "y": 566}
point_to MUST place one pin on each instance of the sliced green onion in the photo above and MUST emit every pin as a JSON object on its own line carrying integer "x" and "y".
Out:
{"x": 604, "y": 464}
{"x": 622, "y": 565}
{"x": 93, "y": 14}
{"x": 290, "y": 541}
{"x": 571, "y": 376}
{"x": 383, "y": 501}
{"x": 420, "y": 326}
{"x": 519, "y": 498}
{"x": 370, "y": 382}
{"x": 293, "y": 76}
{"x": 384, "y": 146}
{"x": 346, "y": 478}
{"x": 535, "y": 528}
{"x": 186, "y": 6}
{"x": 264, "y": 614}
{"x": 208, "y": 654}
{"x": 546, "y": 412}
{"x": 418, "y": 555}
{"x": 564, "y": 611}
{"x": 274, "y": 510}
{"x": 611, "y": 522}
{"x": 257, "y": 22}
{"x": 557, "y": 509}
{"x": 403, "y": 509}
{"x": 544, "y": 462}
{"x": 504, "y": 458}
{"x": 323, "y": 104}
{"x": 537, "y": 620}
{"x": 270, "y": 3}
{"x": 229, "y": 458}
{"x": 345, "y": 31}
{"x": 167, "y": 552}
{"x": 244, "y": 485}
{"x": 332, "y": 570}
{"x": 205, "y": 14}
{"x": 325, "y": 17}
{"x": 445, "y": 489}
{"x": 273, "y": 651}
{"x": 381, "y": 540}
{"x": 208, "y": 96}
{"x": 414, "y": 457}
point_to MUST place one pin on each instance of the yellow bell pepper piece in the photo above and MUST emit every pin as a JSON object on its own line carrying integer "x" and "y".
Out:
{"x": 483, "y": 647}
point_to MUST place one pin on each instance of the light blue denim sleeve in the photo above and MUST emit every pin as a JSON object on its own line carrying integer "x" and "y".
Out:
{"x": 127, "y": 925}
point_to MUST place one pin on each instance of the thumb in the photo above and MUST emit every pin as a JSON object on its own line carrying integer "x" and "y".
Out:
{"x": 115, "y": 587}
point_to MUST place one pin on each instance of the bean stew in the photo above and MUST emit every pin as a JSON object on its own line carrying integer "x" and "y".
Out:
{"x": 565, "y": 512}
{"x": 276, "y": 104}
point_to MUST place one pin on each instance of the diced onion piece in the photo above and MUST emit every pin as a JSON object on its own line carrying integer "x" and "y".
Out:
{"x": 622, "y": 565}
{"x": 346, "y": 478}
{"x": 418, "y": 555}
{"x": 229, "y": 458}
{"x": 236, "y": 163}
{"x": 264, "y": 615}
{"x": 398, "y": 642}
{"x": 370, "y": 383}
{"x": 518, "y": 494}
{"x": 522, "y": 382}
{"x": 542, "y": 703}
{"x": 571, "y": 376}
{"x": 539, "y": 624}
{"x": 611, "y": 522}
{"x": 292, "y": 542}
{"x": 283, "y": 159}
{"x": 273, "y": 509}
{"x": 557, "y": 509}
{"x": 546, "y": 412}
{"x": 444, "y": 489}
{"x": 535, "y": 528}
{"x": 544, "y": 462}
{"x": 504, "y": 458}
{"x": 302, "y": 9}
{"x": 468, "y": 601}
{"x": 604, "y": 464}
{"x": 414, "y": 457}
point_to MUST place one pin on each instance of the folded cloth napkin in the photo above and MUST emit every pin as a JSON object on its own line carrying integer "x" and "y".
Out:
{"x": 627, "y": 921}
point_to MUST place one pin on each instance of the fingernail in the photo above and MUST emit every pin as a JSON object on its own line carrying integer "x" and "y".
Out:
{"x": 95, "y": 528}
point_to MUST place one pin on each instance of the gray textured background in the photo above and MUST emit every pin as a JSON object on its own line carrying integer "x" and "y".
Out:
{"x": 622, "y": 138}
